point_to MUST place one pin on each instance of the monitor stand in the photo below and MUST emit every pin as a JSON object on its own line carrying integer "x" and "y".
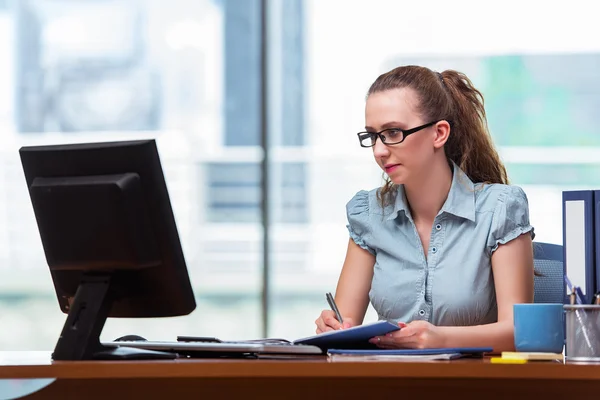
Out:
{"x": 80, "y": 336}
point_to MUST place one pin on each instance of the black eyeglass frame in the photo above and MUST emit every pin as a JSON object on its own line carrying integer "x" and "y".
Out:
{"x": 405, "y": 133}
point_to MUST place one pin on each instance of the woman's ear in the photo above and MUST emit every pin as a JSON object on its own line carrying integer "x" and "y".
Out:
{"x": 442, "y": 132}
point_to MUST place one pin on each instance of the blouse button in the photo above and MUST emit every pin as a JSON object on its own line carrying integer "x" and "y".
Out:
{"x": 438, "y": 227}
{"x": 421, "y": 312}
{"x": 434, "y": 250}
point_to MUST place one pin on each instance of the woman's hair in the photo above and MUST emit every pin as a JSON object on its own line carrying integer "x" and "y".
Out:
{"x": 449, "y": 96}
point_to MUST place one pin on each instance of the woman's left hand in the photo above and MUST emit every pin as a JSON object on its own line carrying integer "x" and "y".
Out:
{"x": 414, "y": 335}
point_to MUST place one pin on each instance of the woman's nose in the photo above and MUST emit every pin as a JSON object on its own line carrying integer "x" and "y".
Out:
{"x": 380, "y": 149}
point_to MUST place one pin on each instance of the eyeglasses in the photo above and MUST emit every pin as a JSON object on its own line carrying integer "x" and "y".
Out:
{"x": 389, "y": 136}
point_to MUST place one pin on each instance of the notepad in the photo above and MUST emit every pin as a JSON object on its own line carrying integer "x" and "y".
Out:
{"x": 350, "y": 338}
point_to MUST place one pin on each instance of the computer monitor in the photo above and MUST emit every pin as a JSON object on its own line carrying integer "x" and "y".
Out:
{"x": 110, "y": 239}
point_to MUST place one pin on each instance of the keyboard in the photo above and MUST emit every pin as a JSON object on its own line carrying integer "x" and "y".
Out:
{"x": 260, "y": 346}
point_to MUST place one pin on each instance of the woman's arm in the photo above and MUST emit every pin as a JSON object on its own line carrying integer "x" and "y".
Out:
{"x": 352, "y": 292}
{"x": 512, "y": 266}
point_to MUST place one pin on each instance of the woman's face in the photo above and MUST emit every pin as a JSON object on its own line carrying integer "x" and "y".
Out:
{"x": 397, "y": 108}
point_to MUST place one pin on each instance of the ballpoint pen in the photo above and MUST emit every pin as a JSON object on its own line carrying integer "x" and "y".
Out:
{"x": 333, "y": 306}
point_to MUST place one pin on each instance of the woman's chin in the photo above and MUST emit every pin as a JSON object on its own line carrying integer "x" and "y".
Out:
{"x": 397, "y": 179}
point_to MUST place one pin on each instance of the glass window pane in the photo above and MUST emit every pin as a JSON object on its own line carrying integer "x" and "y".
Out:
{"x": 184, "y": 72}
{"x": 541, "y": 94}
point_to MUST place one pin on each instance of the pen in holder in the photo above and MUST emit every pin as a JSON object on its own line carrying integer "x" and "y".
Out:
{"x": 577, "y": 299}
{"x": 582, "y": 332}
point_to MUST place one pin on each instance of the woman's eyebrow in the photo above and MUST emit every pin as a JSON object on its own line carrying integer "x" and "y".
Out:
{"x": 391, "y": 124}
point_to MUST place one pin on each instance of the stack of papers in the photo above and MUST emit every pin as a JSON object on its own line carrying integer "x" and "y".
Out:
{"x": 411, "y": 355}
{"x": 392, "y": 357}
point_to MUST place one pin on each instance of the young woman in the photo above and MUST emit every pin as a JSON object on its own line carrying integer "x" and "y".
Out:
{"x": 444, "y": 248}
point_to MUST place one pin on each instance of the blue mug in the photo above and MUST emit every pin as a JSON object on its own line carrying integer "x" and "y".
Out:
{"x": 539, "y": 327}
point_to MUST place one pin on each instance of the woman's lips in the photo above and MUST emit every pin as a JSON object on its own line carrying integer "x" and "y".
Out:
{"x": 390, "y": 167}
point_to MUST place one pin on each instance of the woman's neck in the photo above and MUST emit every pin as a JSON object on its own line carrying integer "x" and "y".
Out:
{"x": 427, "y": 193}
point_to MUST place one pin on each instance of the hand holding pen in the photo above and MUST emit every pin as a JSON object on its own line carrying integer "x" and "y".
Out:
{"x": 334, "y": 308}
{"x": 332, "y": 319}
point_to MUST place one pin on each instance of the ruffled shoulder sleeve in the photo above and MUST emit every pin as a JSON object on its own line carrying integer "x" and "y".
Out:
{"x": 511, "y": 217}
{"x": 359, "y": 226}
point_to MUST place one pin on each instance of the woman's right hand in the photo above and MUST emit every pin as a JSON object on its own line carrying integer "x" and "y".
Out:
{"x": 327, "y": 322}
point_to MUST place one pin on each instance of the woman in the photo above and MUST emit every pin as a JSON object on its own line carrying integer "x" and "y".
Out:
{"x": 444, "y": 248}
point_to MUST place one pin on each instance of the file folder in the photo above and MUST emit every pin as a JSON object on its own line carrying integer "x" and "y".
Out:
{"x": 596, "y": 241}
{"x": 579, "y": 241}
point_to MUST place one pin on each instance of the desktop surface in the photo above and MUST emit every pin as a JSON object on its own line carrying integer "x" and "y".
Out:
{"x": 31, "y": 364}
{"x": 294, "y": 379}
{"x": 297, "y": 379}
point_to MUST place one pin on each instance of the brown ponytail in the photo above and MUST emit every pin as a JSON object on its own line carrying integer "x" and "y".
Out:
{"x": 450, "y": 96}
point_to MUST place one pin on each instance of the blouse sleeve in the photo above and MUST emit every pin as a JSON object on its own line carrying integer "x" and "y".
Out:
{"x": 357, "y": 211}
{"x": 511, "y": 218}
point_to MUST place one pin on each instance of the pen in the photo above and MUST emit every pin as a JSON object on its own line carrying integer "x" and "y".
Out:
{"x": 333, "y": 306}
{"x": 578, "y": 295}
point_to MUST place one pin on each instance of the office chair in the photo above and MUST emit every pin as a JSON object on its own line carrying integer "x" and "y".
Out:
{"x": 549, "y": 286}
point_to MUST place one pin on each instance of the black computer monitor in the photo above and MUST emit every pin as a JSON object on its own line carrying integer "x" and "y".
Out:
{"x": 110, "y": 239}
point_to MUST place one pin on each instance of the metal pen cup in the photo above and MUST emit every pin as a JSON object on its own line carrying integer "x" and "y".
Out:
{"x": 582, "y": 332}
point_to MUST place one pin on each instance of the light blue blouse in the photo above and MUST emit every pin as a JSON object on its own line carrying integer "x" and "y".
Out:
{"x": 454, "y": 285}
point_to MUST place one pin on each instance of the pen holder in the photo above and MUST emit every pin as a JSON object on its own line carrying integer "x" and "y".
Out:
{"x": 582, "y": 333}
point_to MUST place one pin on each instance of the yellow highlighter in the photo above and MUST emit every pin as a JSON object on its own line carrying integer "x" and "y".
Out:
{"x": 500, "y": 360}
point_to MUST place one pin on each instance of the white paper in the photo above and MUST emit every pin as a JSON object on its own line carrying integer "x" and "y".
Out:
{"x": 575, "y": 243}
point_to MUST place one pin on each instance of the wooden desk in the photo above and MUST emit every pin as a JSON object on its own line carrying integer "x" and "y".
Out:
{"x": 308, "y": 379}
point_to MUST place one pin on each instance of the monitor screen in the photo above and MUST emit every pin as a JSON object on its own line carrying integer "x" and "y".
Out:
{"x": 109, "y": 236}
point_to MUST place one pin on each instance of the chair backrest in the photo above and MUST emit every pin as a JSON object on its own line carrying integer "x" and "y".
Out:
{"x": 548, "y": 263}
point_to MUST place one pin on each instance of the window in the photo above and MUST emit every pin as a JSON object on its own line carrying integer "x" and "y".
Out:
{"x": 188, "y": 73}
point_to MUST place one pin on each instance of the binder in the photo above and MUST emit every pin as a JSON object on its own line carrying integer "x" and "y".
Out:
{"x": 597, "y": 239}
{"x": 579, "y": 240}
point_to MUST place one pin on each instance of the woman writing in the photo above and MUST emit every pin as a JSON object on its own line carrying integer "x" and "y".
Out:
{"x": 444, "y": 248}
